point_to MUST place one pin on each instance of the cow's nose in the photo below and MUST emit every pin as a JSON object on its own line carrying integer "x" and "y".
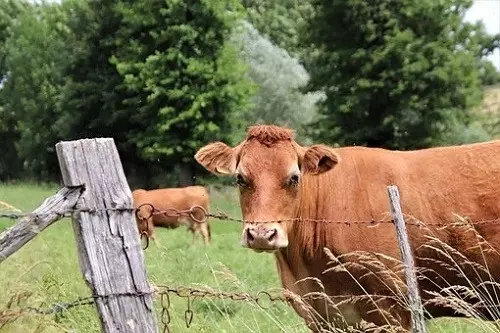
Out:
{"x": 261, "y": 238}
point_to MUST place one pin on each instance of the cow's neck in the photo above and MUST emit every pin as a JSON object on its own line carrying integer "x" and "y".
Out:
{"x": 293, "y": 269}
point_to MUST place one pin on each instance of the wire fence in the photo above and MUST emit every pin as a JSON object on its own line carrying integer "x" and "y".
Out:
{"x": 264, "y": 299}
{"x": 14, "y": 309}
{"x": 221, "y": 216}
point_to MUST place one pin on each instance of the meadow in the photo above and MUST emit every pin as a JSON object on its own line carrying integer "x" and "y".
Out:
{"x": 47, "y": 268}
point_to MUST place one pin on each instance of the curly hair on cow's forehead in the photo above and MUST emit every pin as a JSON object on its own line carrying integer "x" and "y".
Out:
{"x": 270, "y": 134}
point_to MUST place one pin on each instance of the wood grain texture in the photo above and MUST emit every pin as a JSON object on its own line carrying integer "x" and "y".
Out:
{"x": 417, "y": 312}
{"x": 110, "y": 254}
{"x": 51, "y": 210}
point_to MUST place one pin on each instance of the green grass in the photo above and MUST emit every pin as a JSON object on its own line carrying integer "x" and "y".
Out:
{"x": 48, "y": 268}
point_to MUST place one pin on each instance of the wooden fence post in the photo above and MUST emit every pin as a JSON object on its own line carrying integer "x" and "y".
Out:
{"x": 110, "y": 254}
{"x": 417, "y": 312}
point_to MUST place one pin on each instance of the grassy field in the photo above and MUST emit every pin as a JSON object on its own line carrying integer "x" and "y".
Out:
{"x": 47, "y": 267}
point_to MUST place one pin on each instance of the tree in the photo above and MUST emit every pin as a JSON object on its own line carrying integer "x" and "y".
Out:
{"x": 10, "y": 163}
{"x": 488, "y": 73}
{"x": 93, "y": 93}
{"x": 279, "y": 20}
{"x": 279, "y": 78}
{"x": 183, "y": 77}
{"x": 396, "y": 73}
{"x": 34, "y": 53}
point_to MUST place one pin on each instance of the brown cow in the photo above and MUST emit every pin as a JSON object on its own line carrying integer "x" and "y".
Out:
{"x": 280, "y": 180}
{"x": 172, "y": 198}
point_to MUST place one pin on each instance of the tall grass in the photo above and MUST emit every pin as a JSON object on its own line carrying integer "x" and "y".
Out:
{"x": 47, "y": 270}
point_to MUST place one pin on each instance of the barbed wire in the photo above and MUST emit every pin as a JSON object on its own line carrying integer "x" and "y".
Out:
{"x": 260, "y": 298}
{"x": 10, "y": 314}
{"x": 200, "y": 215}
{"x": 15, "y": 310}
{"x": 173, "y": 212}
{"x": 146, "y": 211}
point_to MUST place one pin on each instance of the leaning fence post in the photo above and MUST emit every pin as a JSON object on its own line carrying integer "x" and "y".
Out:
{"x": 110, "y": 255}
{"x": 417, "y": 312}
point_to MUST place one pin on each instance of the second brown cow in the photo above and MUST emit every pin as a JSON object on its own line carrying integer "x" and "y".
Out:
{"x": 170, "y": 200}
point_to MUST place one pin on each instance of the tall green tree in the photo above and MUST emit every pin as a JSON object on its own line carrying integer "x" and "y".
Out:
{"x": 35, "y": 54}
{"x": 185, "y": 81}
{"x": 280, "y": 20}
{"x": 397, "y": 73}
{"x": 279, "y": 78}
{"x": 94, "y": 92}
{"x": 10, "y": 163}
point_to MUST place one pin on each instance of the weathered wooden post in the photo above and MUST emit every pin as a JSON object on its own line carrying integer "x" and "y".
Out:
{"x": 110, "y": 254}
{"x": 417, "y": 312}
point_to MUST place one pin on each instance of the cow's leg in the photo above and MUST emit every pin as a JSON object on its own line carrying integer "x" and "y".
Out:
{"x": 194, "y": 236}
{"x": 191, "y": 227}
{"x": 151, "y": 232}
{"x": 204, "y": 229}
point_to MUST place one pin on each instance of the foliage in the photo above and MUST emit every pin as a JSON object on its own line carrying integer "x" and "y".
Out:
{"x": 488, "y": 73}
{"x": 165, "y": 77}
{"x": 9, "y": 11}
{"x": 184, "y": 80}
{"x": 396, "y": 73}
{"x": 89, "y": 68}
{"x": 280, "y": 20}
{"x": 10, "y": 165}
{"x": 279, "y": 78}
{"x": 93, "y": 94}
{"x": 35, "y": 50}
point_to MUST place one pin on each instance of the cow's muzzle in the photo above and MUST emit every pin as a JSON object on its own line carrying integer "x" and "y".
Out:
{"x": 263, "y": 238}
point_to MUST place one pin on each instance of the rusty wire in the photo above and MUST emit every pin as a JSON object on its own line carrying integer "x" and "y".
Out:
{"x": 172, "y": 212}
{"x": 15, "y": 310}
{"x": 191, "y": 293}
{"x": 191, "y": 213}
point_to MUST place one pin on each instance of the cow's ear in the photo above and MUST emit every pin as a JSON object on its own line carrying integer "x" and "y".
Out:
{"x": 318, "y": 159}
{"x": 218, "y": 158}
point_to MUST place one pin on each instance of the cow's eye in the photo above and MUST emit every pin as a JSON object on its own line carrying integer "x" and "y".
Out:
{"x": 240, "y": 181}
{"x": 294, "y": 180}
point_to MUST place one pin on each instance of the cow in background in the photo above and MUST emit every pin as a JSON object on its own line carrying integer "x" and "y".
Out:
{"x": 166, "y": 199}
{"x": 288, "y": 192}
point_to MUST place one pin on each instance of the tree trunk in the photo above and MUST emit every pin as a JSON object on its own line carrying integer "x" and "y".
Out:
{"x": 186, "y": 175}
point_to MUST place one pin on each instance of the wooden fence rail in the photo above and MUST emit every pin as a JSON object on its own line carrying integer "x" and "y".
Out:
{"x": 51, "y": 210}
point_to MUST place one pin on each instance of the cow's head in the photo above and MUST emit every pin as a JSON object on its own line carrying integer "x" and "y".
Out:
{"x": 268, "y": 166}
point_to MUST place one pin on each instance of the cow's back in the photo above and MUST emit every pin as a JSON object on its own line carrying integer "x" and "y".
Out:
{"x": 434, "y": 185}
{"x": 178, "y": 198}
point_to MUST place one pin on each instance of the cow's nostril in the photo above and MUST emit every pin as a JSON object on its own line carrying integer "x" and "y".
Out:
{"x": 250, "y": 237}
{"x": 273, "y": 235}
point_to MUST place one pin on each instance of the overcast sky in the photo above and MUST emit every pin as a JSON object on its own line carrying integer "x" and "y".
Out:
{"x": 487, "y": 11}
